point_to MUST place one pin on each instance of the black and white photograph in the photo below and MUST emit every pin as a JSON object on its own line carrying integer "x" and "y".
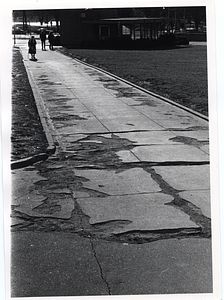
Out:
{"x": 112, "y": 185}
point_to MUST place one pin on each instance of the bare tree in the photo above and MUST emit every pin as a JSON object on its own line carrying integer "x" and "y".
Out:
{"x": 24, "y": 21}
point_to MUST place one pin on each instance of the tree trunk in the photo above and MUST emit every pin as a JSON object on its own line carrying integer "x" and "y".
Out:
{"x": 24, "y": 21}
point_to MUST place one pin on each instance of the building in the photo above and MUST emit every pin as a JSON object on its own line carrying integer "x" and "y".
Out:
{"x": 113, "y": 28}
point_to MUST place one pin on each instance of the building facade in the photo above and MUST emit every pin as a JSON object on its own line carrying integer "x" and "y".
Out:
{"x": 104, "y": 27}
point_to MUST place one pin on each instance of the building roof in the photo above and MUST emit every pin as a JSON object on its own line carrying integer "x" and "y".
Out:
{"x": 125, "y": 20}
{"x": 133, "y": 19}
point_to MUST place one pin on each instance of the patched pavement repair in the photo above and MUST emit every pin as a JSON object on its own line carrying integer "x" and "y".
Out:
{"x": 130, "y": 169}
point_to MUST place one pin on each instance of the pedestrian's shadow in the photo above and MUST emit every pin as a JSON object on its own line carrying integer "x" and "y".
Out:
{"x": 35, "y": 59}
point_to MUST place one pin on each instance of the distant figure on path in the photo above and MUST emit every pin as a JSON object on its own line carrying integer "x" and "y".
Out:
{"x": 51, "y": 40}
{"x": 32, "y": 47}
{"x": 43, "y": 38}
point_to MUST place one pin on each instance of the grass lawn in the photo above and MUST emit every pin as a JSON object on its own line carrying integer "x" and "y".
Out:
{"x": 178, "y": 74}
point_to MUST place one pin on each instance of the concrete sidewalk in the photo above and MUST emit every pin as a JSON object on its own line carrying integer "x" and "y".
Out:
{"x": 129, "y": 169}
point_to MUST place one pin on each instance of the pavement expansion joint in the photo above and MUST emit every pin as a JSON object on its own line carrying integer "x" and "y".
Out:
{"x": 143, "y": 164}
{"x": 192, "y": 128}
{"x": 114, "y": 132}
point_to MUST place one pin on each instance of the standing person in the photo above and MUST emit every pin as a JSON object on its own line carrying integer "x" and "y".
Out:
{"x": 32, "y": 47}
{"x": 43, "y": 38}
{"x": 51, "y": 40}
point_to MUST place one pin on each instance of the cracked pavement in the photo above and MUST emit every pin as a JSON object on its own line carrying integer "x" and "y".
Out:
{"x": 129, "y": 170}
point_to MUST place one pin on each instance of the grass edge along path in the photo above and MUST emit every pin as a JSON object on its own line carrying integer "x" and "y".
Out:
{"x": 27, "y": 136}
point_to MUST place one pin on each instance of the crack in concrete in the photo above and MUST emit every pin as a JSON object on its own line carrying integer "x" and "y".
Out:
{"x": 148, "y": 236}
{"x": 101, "y": 270}
{"x": 47, "y": 208}
{"x": 102, "y": 155}
{"x": 187, "y": 207}
{"x": 79, "y": 224}
{"x": 111, "y": 222}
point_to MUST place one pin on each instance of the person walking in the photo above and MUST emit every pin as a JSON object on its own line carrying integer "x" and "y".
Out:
{"x": 32, "y": 47}
{"x": 51, "y": 40}
{"x": 43, "y": 38}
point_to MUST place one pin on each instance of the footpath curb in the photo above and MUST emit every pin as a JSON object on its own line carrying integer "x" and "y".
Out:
{"x": 142, "y": 89}
{"x": 25, "y": 162}
{"x": 42, "y": 111}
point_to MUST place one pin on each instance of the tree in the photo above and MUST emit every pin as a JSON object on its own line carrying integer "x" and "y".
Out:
{"x": 56, "y": 14}
{"x": 197, "y": 14}
{"x": 24, "y": 21}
